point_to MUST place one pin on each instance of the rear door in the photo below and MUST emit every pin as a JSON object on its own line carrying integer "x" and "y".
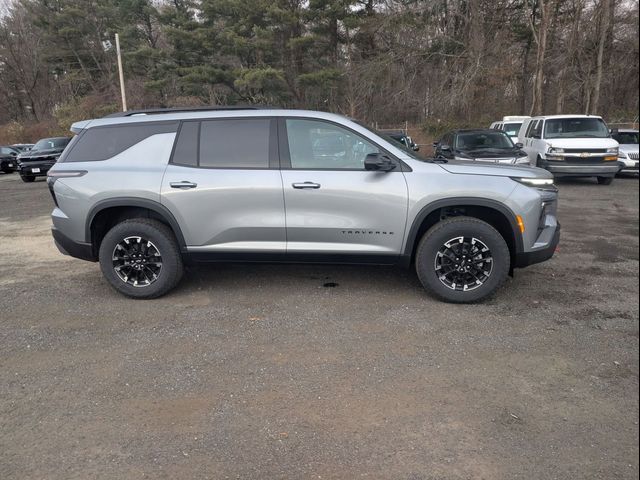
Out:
{"x": 333, "y": 205}
{"x": 224, "y": 187}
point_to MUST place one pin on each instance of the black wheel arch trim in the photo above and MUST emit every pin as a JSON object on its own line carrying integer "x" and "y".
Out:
{"x": 156, "y": 207}
{"x": 461, "y": 201}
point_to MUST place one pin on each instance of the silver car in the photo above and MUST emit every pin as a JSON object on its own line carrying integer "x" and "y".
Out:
{"x": 145, "y": 192}
{"x": 628, "y": 150}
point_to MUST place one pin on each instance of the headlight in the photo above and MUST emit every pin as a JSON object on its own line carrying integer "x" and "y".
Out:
{"x": 541, "y": 183}
{"x": 612, "y": 150}
{"x": 522, "y": 160}
{"x": 621, "y": 154}
{"x": 555, "y": 150}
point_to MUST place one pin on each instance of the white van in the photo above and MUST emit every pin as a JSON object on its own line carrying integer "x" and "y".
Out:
{"x": 571, "y": 146}
{"x": 510, "y": 125}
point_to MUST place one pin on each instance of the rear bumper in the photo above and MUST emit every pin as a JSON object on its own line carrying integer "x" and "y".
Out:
{"x": 524, "y": 259}
{"x": 81, "y": 250}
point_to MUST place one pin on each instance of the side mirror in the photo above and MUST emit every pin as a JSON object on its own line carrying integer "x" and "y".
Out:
{"x": 519, "y": 145}
{"x": 435, "y": 144}
{"x": 378, "y": 162}
{"x": 13, "y": 154}
{"x": 415, "y": 147}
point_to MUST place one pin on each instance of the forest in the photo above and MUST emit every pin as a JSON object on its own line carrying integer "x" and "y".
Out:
{"x": 432, "y": 63}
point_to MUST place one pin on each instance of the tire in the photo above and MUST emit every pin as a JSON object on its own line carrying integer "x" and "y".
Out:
{"x": 605, "y": 180}
{"x": 480, "y": 233}
{"x": 6, "y": 170}
{"x": 28, "y": 178}
{"x": 162, "y": 242}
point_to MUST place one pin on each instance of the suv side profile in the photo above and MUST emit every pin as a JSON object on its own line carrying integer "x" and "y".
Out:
{"x": 571, "y": 146}
{"x": 146, "y": 192}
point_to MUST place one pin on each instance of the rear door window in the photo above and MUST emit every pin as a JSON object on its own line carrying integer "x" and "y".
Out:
{"x": 236, "y": 143}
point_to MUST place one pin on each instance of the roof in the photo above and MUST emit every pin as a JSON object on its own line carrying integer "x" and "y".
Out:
{"x": 166, "y": 115}
{"x": 477, "y": 130}
{"x": 548, "y": 117}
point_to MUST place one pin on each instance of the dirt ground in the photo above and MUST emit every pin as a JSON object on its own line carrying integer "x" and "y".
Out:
{"x": 257, "y": 371}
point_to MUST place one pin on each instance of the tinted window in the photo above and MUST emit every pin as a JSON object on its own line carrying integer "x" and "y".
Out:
{"x": 324, "y": 146}
{"x": 626, "y": 138}
{"x": 186, "y": 151}
{"x": 7, "y": 151}
{"x": 242, "y": 143}
{"x": 477, "y": 141}
{"x": 101, "y": 143}
{"x": 535, "y": 129}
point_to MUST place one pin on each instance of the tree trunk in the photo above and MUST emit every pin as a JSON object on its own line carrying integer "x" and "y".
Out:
{"x": 540, "y": 36}
{"x": 605, "y": 8}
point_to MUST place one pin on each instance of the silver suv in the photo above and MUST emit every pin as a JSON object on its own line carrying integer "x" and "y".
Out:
{"x": 146, "y": 192}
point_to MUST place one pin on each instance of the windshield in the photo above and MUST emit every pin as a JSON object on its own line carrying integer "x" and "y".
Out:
{"x": 575, "y": 128}
{"x": 512, "y": 129}
{"x": 626, "y": 138}
{"x": 50, "y": 143}
{"x": 477, "y": 141}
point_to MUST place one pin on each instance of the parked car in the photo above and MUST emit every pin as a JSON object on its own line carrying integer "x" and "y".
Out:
{"x": 402, "y": 137}
{"x": 571, "y": 146}
{"x": 44, "y": 154}
{"x": 22, "y": 147}
{"x": 628, "y": 149}
{"x": 8, "y": 159}
{"x": 510, "y": 125}
{"x": 144, "y": 193}
{"x": 480, "y": 145}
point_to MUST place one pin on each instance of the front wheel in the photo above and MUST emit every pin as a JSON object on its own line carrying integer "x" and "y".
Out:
{"x": 462, "y": 260}
{"x": 140, "y": 258}
{"x": 605, "y": 180}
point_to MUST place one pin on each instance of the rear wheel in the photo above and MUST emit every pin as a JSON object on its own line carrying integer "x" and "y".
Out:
{"x": 605, "y": 180}
{"x": 462, "y": 260}
{"x": 28, "y": 178}
{"x": 141, "y": 258}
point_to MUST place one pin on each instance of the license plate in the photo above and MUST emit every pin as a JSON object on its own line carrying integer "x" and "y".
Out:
{"x": 35, "y": 170}
{"x": 11, "y": 164}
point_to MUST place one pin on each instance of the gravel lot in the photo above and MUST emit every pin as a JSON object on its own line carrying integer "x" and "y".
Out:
{"x": 262, "y": 371}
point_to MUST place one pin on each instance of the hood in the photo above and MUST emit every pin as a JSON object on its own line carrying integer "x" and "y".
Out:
{"x": 40, "y": 153}
{"x": 491, "y": 153}
{"x": 581, "y": 142}
{"x": 629, "y": 147}
{"x": 473, "y": 168}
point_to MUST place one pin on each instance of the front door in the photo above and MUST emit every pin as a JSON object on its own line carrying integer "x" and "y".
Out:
{"x": 333, "y": 205}
{"x": 224, "y": 188}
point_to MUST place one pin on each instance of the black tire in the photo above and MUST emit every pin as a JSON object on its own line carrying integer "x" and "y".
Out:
{"x": 162, "y": 238}
{"x": 28, "y": 178}
{"x": 605, "y": 180}
{"x": 7, "y": 170}
{"x": 442, "y": 233}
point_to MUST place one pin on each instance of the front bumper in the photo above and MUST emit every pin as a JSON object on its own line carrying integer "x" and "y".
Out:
{"x": 629, "y": 165}
{"x": 558, "y": 169}
{"x": 81, "y": 250}
{"x": 41, "y": 167}
{"x": 8, "y": 165}
{"x": 524, "y": 259}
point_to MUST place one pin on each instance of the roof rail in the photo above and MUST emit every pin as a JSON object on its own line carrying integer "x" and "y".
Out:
{"x": 158, "y": 111}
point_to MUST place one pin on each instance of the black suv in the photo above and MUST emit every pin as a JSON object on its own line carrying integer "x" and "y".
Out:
{"x": 480, "y": 145}
{"x": 8, "y": 159}
{"x": 44, "y": 154}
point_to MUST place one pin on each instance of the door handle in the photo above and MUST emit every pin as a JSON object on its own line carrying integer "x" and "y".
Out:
{"x": 304, "y": 185}
{"x": 183, "y": 184}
